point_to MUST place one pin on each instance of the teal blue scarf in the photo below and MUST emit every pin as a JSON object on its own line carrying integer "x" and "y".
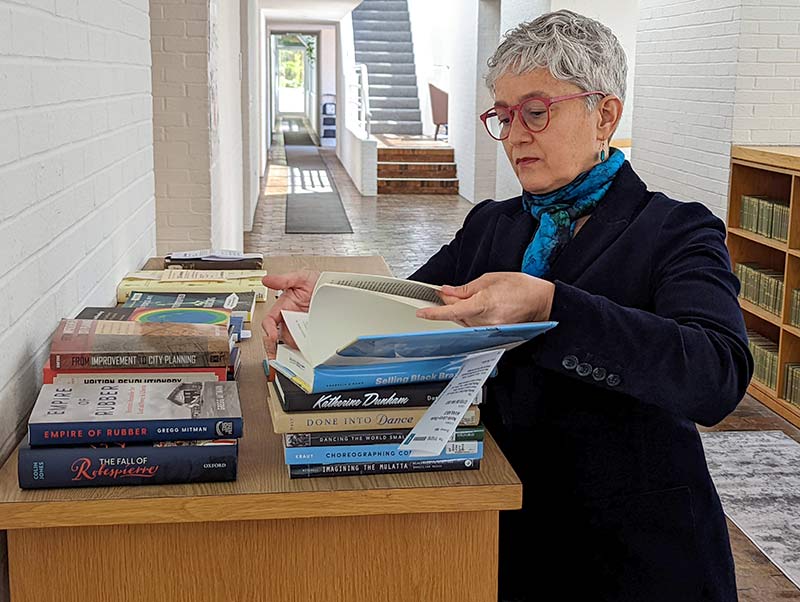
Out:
{"x": 557, "y": 212}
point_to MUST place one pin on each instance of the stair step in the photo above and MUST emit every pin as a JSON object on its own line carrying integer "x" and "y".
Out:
{"x": 395, "y": 114}
{"x": 411, "y": 155}
{"x": 384, "y": 57}
{"x": 393, "y": 102}
{"x": 381, "y": 25}
{"x": 394, "y": 68}
{"x": 383, "y": 46}
{"x": 392, "y": 79}
{"x": 395, "y": 127}
{"x": 416, "y": 170}
{"x": 384, "y": 5}
{"x": 360, "y": 14}
{"x": 363, "y": 35}
{"x": 389, "y": 91}
{"x": 417, "y": 186}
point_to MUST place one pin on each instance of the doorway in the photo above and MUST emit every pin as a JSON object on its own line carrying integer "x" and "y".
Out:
{"x": 295, "y": 99}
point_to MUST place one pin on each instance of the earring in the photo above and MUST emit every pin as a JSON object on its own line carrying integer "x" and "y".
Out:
{"x": 602, "y": 155}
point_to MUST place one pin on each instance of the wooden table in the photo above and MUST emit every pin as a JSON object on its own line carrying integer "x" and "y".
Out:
{"x": 422, "y": 537}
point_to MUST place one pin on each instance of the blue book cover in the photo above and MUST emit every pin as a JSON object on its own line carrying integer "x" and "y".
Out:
{"x": 365, "y": 376}
{"x": 340, "y": 454}
{"x": 400, "y": 358}
{"x": 305, "y": 471}
{"x": 127, "y": 464}
{"x": 131, "y": 412}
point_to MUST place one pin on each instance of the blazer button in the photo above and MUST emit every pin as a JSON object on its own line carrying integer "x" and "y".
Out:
{"x": 569, "y": 362}
{"x": 599, "y": 374}
{"x": 584, "y": 369}
{"x": 613, "y": 380}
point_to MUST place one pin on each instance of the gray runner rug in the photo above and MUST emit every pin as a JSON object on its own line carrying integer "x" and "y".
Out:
{"x": 757, "y": 474}
{"x": 313, "y": 205}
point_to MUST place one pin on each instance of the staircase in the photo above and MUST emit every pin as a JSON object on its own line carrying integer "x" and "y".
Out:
{"x": 417, "y": 171}
{"x": 382, "y": 35}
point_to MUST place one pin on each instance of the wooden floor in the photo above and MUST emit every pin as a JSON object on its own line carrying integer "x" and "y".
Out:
{"x": 406, "y": 230}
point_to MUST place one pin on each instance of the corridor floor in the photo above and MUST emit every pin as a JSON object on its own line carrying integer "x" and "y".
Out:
{"x": 406, "y": 230}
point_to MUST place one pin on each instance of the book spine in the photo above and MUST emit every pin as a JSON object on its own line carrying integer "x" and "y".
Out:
{"x": 133, "y": 360}
{"x": 465, "y": 450}
{"x": 41, "y": 468}
{"x": 130, "y": 431}
{"x": 367, "y": 468}
{"x": 107, "y": 377}
{"x": 357, "y": 420}
{"x": 387, "y": 437}
{"x": 295, "y": 400}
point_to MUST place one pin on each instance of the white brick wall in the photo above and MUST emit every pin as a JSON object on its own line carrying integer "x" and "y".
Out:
{"x": 768, "y": 80}
{"x": 181, "y": 123}
{"x": 77, "y": 207}
{"x": 686, "y": 66}
{"x": 710, "y": 74}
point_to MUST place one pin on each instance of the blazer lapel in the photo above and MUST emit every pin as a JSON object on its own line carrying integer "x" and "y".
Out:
{"x": 615, "y": 211}
{"x": 511, "y": 237}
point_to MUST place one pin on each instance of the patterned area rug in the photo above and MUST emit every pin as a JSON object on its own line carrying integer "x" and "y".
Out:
{"x": 757, "y": 474}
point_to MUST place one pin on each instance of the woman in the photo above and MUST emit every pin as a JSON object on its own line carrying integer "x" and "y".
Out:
{"x": 596, "y": 416}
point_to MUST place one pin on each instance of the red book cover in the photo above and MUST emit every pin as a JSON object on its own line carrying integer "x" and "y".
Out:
{"x": 131, "y": 375}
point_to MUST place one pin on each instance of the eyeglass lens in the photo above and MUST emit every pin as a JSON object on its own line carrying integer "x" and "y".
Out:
{"x": 532, "y": 112}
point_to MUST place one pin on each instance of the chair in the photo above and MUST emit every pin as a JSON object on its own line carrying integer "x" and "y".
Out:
{"x": 438, "y": 107}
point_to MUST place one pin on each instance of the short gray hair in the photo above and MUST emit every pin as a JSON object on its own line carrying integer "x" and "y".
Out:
{"x": 572, "y": 47}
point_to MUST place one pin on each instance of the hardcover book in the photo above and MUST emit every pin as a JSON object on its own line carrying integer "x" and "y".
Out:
{"x": 185, "y": 315}
{"x": 127, "y": 464}
{"x": 294, "y": 399}
{"x": 241, "y": 304}
{"x": 107, "y": 344}
{"x": 350, "y": 420}
{"x": 109, "y": 377}
{"x": 386, "y": 437}
{"x": 362, "y": 331}
{"x": 367, "y": 468}
{"x": 210, "y": 259}
{"x": 83, "y": 414}
{"x": 208, "y": 281}
{"x": 341, "y": 454}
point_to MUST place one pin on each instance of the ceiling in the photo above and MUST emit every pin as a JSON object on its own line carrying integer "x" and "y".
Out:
{"x": 298, "y": 11}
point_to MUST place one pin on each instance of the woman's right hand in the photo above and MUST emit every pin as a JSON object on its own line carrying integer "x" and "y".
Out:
{"x": 297, "y": 288}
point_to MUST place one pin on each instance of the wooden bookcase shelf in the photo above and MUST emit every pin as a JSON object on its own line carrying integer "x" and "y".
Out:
{"x": 774, "y": 172}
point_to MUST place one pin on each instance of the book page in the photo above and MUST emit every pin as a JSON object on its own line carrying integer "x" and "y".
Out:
{"x": 398, "y": 287}
{"x": 339, "y": 314}
{"x": 433, "y": 431}
{"x": 297, "y": 323}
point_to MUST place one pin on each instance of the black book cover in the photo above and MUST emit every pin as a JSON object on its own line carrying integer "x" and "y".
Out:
{"x": 294, "y": 399}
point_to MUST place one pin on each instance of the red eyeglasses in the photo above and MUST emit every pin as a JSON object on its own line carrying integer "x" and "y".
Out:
{"x": 535, "y": 114}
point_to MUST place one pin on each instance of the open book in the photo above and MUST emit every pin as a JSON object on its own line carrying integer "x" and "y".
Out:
{"x": 362, "y": 331}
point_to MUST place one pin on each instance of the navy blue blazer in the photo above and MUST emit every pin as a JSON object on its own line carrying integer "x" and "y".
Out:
{"x": 598, "y": 415}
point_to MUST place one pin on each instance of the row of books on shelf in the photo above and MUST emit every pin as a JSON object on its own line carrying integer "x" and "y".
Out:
{"x": 791, "y": 390}
{"x": 765, "y": 216}
{"x": 761, "y": 286}
{"x": 765, "y": 358}
{"x": 347, "y": 405}
{"x": 145, "y": 393}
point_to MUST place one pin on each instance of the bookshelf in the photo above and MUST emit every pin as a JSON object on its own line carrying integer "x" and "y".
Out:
{"x": 772, "y": 172}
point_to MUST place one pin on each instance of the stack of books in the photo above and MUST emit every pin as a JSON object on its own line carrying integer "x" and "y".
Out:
{"x": 761, "y": 286}
{"x": 765, "y": 357}
{"x": 364, "y": 372}
{"x": 765, "y": 216}
{"x": 131, "y": 434}
{"x": 358, "y": 432}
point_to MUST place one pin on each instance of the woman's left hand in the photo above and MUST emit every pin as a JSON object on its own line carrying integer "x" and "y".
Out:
{"x": 494, "y": 298}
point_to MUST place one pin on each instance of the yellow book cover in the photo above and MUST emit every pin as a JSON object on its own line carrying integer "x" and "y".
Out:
{"x": 229, "y": 281}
